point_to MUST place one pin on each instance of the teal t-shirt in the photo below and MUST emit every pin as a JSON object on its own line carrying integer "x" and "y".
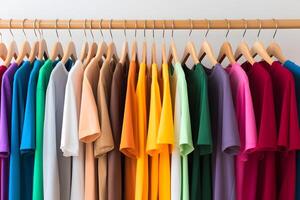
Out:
{"x": 20, "y": 169}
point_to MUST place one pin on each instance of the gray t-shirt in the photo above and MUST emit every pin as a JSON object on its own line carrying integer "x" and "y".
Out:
{"x": 225, "y": 135}
{"x": 56, "y": 167}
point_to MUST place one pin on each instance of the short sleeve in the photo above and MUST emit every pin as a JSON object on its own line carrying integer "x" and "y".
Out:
{"x": 230, "y": 137}
{"x": 50, "y": 165}
{"x": 89, "y": 128}
{"x": 69, "y": 135}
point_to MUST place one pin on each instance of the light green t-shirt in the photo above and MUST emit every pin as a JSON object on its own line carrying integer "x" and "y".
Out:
{"x": 183, "y": 135}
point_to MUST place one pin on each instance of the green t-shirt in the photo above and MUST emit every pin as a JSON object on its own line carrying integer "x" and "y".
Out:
{"x": 41, "y": 88}
{"x": 199, "y": 160}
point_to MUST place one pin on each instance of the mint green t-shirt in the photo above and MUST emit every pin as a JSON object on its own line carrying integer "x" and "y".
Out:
{"x": 42, "y": 84}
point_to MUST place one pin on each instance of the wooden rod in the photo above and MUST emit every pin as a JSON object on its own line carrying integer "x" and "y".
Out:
{"x": 150, "y": 24}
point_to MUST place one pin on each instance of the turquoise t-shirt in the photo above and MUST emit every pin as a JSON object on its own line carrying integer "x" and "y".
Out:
{"x": 21, "y": 167}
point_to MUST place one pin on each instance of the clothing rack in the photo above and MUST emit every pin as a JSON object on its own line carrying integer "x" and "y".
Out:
{"x": 150, "y": 24}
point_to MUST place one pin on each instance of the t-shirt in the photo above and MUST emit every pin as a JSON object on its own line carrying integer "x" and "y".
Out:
{"x": 89, "y": 128}
{"x": 28, "y": 131}
{"x": 153, "y": 148}
{"x": 116, "y": 111}
{"x": 288, "y": 138}
{"x": 70, "y": 144}
{"x": 105, "y": 143}
{"x": 294, "y": 68}
{"x": 262, "y": 164}
{"x": 129, "y": 137}
{"x": 42, "y": 83}
{"x": 200, "y": 160}
{"x": 56, "y": 167}
{"x": 241, "y": 95}
{"x": 182, "y": 133}
{"x": 4, "y": 161}
{"x": 165, "y": 137}
{"x": 141, "y": 187}
{"x": 20, "y": 166}
{"x": 226, "y": 141}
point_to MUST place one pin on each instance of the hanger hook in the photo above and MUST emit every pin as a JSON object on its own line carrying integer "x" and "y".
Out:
{"x": 228, "y": 28}
{"x": 91, "y": 30}
{"x": 153, "y": 29}
{"x": 172, "y": 33}
{"x": 100, "y": 28}
{"x": 208, "y": 27}
{"x": 276, "y": 27}
{"x": 84, "y": 30}
{"x": 34, "y": 28}
{"x": 111, "y": 36}
{"x": 259, "y": 28}
{"x": 13, "y": 36}
{"x": 69, "y": 26}
{"x": 135, "y": 29}
{"x": 0, "y": 33}
{"x": 57, "y": 36}
{"x": 144, "y": 29}
{"x": 246, "y": 27}
{"x": 124, "y": 30}
{"x": 191, "y": 27}
{"x": 40, "y": 30}
{"x": 23, "y": 28}
{"x": 164, "y": 28}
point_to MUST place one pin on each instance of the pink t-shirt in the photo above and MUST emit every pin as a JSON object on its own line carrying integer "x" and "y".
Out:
{"x": 241, "y": 95}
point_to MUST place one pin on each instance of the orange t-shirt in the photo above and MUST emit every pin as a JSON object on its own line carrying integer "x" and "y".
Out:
{"x": 129, "y": 143}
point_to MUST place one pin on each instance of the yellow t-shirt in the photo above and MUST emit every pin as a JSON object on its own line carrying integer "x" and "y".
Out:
{"x": 165, "y": 138}
{"x": 141, "y": 187}
{"x": 152, "y": 145}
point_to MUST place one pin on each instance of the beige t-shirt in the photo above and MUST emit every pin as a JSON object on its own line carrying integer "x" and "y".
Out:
{"x": 89, "y": 127}
{"x": 105, "y": 142}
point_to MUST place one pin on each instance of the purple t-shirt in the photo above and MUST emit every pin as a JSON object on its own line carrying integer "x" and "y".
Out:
{"x": 226, "y": 142}
{"x": 5, "y": 119}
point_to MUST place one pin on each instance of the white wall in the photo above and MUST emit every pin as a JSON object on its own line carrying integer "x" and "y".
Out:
{"x": 160, "y": 9}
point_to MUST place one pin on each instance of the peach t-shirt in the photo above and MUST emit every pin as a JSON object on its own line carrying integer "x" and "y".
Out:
{"x": 89, "y": 128}
{"x": 128, "y": 145}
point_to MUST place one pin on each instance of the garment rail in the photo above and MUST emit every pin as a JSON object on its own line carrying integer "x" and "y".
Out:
{"x": 150, "y": 24}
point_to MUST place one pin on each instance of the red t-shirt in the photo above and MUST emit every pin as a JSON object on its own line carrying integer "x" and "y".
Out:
{"x": 288, "y": 135}
{"x": 262, "y": 166}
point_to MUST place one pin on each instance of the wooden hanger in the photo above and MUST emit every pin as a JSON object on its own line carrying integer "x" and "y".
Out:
{"x": 35, "y": 47}
{"x": 92, "y": 50}
{"x": 124, "y": 52}
{"x": 274, "y": 48}
{"x": 3, "y": 49}
{"x": 190, "y": 49}
{"x": 206, "y": 50}
{"x": 12, "y": 51}
{"x": 85, "y": 46}
{"x": 102, "y": 47}
{"x": 259, "y": 49}
{"x": 226, "y": 49}
{"x": 144, "y": 48}
{"x": 25, "y": 49}
{"x": 243, "y": 49}
{"x": 173, "y": 50}
{"x": 57, "y": 50}
{"x": 43, "y": 49}
{"x": 111, "y": 49}
{"x": 71, "y": 49}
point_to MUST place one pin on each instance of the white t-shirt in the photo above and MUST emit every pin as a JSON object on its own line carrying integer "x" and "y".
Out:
{"x": 56, "y": 167}
{"x": 70, "y": 144}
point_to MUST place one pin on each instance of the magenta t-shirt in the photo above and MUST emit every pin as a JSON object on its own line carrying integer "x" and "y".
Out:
{"x": 241, "y": 95}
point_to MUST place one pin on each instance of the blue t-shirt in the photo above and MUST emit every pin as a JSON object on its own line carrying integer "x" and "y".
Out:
{"x": 28, "y": 134}
{"x": 20, "y": 169}
{"x": 295, "y": 70}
